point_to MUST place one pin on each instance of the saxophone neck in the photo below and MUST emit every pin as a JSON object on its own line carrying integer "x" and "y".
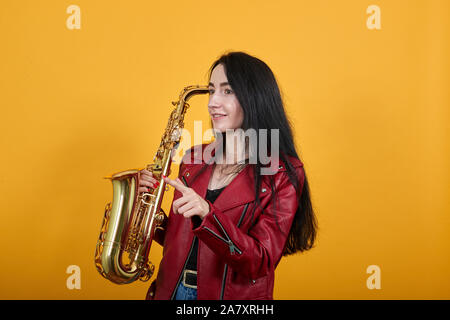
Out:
{"x": 172, "y": 135}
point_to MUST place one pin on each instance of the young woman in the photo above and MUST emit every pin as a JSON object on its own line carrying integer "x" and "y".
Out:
{"x": 229, "y": 224}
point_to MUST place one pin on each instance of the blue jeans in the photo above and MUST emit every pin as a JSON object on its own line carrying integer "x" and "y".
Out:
{"x": 185, "y": 293}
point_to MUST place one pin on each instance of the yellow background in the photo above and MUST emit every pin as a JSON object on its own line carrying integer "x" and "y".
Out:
{"x": 370, "y": 110}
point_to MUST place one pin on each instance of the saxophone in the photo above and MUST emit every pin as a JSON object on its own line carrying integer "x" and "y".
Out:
{"x": 131, "y": 219}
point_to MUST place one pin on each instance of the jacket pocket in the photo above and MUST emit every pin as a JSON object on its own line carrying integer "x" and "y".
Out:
{"x": 249, "y": 289}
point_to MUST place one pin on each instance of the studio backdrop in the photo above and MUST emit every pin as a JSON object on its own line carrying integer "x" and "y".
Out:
{"x": 86, "y": 90}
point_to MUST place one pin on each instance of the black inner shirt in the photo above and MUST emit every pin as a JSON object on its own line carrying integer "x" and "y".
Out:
{"x": 211, "y": 195}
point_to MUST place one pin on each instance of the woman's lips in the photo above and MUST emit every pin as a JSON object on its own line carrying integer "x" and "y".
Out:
{"x": 218, "y": 117}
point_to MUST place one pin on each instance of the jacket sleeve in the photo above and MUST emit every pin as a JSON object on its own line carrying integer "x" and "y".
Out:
{"x": 256, "y": 253}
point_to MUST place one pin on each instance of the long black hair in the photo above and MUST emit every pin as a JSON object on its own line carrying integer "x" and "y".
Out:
{"x": 257, "y": 91}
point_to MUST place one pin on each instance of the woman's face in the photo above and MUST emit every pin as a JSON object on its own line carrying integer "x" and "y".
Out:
{"x": 223, "y": 106}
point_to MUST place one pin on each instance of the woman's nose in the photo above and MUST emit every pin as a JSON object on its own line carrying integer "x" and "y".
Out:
{"x": 214, "y": 101}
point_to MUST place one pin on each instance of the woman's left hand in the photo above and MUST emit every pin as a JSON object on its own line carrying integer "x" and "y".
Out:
{"x": 190, "y": 203}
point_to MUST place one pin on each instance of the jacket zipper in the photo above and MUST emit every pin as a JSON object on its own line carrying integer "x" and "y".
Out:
{"x": 233, "y": 248}
{"x": 222, "y": 290}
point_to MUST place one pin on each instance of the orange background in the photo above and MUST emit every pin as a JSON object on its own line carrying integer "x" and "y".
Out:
{"x": 370, "y": 110}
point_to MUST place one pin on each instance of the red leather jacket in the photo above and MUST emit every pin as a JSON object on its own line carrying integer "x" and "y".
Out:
{"x": 236, "y": 257}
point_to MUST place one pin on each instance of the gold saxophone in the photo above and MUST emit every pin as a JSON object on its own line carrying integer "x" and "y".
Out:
{"x": 131, "y": 219}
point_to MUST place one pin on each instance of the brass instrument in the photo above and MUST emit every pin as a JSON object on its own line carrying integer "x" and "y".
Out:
{"x": 131, "y": 219}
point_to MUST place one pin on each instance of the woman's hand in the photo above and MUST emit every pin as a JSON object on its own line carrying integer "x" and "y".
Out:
{"x": 146, "y": 180}
{"x": 190, "y": 203}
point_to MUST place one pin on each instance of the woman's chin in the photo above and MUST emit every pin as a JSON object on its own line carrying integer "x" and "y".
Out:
{"x": 220, "y": 129}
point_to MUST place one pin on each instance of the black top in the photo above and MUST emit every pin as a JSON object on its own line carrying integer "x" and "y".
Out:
{"x": 211, "y": 195}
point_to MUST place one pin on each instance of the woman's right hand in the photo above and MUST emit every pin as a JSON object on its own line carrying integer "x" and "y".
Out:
{"x": 147, "y": 181}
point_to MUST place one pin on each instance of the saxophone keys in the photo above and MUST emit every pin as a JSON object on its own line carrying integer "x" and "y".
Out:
{"x": 159, "y": 218}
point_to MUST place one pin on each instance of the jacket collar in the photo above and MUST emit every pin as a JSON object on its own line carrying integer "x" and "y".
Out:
{"x": 239, "y": 191}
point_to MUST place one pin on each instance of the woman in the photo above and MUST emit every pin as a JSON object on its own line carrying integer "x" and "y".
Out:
{"x": 229, "y": 224}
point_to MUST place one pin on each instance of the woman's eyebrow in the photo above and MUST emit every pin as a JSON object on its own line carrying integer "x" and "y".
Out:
{"x": 222, "y": 84}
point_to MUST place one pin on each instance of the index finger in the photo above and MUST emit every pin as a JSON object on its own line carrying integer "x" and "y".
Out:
{"x": 177, "y": 184}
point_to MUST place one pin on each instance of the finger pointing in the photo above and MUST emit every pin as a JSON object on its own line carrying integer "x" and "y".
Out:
{"x": 177, "y": 184}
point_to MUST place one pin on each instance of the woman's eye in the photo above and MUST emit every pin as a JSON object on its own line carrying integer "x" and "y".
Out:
{"x": 226, "y": 91}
